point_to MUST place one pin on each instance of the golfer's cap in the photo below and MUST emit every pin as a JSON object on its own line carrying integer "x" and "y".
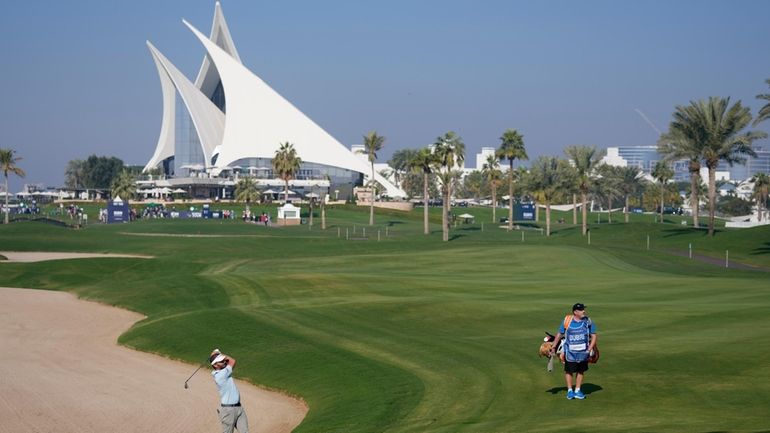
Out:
{"x": 217, "y": 358}
{"x": 578, "y": 306}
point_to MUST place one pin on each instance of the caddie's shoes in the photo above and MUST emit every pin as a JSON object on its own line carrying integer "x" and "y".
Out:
{"x": 579, "y": 395}
{"x": 570, "y": 394}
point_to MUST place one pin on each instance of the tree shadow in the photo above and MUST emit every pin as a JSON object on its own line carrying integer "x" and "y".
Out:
{"x": 392, "y": 223}
{"x": 681, "y": 231}
{"x": 761, "y": 250}
{"x": 456, "y": 236}
{"x": 469, "y": 229}
{"x": 587, "y": 388}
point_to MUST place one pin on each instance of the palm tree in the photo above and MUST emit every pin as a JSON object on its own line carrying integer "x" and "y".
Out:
{"x": 511, "y": 148}
{"x": 607, "y": 185}
{"x": 422, "y": 161}
{"x": 246, "y": 191}
{"x": 675, "y": 145}
{"x": 663, "y": 174}
{"x": 715, "y": 127}
{"x": 584, "y": 160}
{"x": 449, "y": 151}
{"x": 493, "y": 175}
{"x": 630, "y": 182}
{"x": 124, "y": 186}
{"x": 546, "y": 179}
{"x": 399, "y": 162}
{"x": 764, "y": 112}
{"x": 8, "y": 166}
{"x": 372, "y": 144}
{"x": 286, "y": 164}
{"x": 761, "y": 188}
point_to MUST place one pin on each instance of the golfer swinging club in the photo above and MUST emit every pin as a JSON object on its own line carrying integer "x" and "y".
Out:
{"x": 579, "y": 334}
{"x": 231, "y": 414}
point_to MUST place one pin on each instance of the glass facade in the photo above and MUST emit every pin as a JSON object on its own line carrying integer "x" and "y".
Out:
{"x": 645, "y": 157}
{"x": 187, "y": 145}
{"x": 341, "y": 180}
{"x": 754, "y": 165}
{"x": 218, "y": 97}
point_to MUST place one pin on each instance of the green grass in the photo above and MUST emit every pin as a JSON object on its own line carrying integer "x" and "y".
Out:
{"x": 410, "y": 334}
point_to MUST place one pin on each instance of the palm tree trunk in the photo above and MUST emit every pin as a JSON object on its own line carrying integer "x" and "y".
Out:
{"x": 6, "y": 210}
{"x": 510, "y": 195}
{"x": 548, "y": 218}
{"x": 662, "y": 191}
{"x": 445, "y": 215}
{"x": 494, "y": 203}
{"x": 574, "y": 209}
{"x": 323, "y": 213}
{"x": 371, "y": 199}
{"x": 694, "y": 199}
{"x": 426, "y": 229}
{"x": 712, "y": 198}
{"x": 286, "y": 191}
{"x": 585, "y": 212}
{"x": 626, "y": 210}
{"x": 310, "y": 221}
{"x": 609, "y": 210}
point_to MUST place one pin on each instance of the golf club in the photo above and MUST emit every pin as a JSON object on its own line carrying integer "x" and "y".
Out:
{"x": 188, "y": 379}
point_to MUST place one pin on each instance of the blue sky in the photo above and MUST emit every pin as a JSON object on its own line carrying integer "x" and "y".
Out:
{"x": 79, "y": 80}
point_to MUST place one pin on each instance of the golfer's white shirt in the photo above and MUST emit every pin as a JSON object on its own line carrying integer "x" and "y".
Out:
{"x": 228, "y": 392}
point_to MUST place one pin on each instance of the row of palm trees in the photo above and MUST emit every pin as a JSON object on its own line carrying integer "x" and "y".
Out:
{"x": 705, "y": 133}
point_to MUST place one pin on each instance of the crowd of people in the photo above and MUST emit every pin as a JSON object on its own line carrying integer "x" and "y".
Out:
{"x": 248, "y": 216}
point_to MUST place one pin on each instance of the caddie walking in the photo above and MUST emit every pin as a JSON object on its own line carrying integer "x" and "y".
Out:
{"x": 579, "y": 333}
{"x": 231, "y": 413}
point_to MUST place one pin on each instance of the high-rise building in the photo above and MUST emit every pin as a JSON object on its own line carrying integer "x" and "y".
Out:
{"x": 645, "y": 157}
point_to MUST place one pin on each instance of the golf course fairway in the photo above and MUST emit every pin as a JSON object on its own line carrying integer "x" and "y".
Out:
{"x": 410, "y": 334}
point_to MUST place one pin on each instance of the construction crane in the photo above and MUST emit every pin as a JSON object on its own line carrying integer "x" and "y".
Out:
{"x": 649, "y": 122}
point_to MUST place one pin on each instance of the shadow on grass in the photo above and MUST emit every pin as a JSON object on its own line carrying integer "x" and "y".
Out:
{"x": 761, "y": 250}
{"x": 587, "y": 388}
{"x": 392, "y": 223}
{"x": 469, "y": 229}
{"x": 681, "y": 231}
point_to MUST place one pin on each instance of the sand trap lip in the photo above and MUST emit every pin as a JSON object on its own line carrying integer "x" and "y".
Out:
{"x": 69, "y": 375}
{"x": 40, "y": 256}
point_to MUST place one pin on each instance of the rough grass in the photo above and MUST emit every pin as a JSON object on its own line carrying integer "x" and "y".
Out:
{"x": 410, "y": 334}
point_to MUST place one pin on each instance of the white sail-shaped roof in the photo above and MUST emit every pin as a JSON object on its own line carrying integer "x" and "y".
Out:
{"x": 258, "y": 119}
{"x": 208, "y": 77}
{"x": 165, "y": 146}
{"x": 208, "y": 120}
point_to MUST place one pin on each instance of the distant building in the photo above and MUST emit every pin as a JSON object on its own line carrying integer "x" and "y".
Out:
{"x": 645, "y": 157}
{"x": 229, "y": 122}
{"x": 481, "y": 158}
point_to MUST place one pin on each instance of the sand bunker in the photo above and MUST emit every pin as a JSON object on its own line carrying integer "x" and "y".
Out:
{"x": 27, "y": 257}
{"x": 64, "y": 373}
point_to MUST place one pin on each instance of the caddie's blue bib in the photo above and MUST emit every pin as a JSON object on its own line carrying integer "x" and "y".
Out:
{"x": 576, "y": 340}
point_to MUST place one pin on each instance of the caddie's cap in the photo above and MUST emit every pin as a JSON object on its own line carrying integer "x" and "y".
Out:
{"x": 578, "y": 306}
{"x": 217, "y": 357}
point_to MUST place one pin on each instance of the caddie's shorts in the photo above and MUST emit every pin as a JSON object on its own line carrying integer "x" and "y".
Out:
{"x": 575, "y": 367}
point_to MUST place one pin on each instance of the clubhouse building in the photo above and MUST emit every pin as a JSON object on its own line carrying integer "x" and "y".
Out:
{"x": 228, "y": 123}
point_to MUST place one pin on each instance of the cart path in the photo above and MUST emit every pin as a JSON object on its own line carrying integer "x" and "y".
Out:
{"x": 65, "y": 373}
